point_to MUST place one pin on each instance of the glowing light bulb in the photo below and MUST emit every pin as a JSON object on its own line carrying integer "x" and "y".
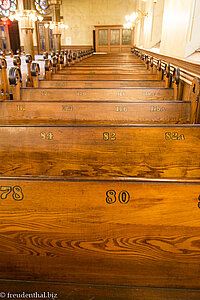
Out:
{"x": 127, "y": 18}
{"x": 12, "y": 18}
{"x": 40, "y": 18}
{"x": 52, "y": 26}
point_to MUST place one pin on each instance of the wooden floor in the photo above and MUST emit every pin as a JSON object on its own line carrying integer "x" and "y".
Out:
{"x": 100, "y": 186}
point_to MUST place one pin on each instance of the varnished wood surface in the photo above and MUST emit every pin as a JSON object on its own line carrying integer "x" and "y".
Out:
{"x": 190, "y": 66}
{"x": 125, "y": 71}
{"x": 94, "y": 64}
{"x": 66, "y": 231}
{"x": 101, "y": 151}
{"x": 101, "y": 94}
{"x": 122, "y": 68}
{"x": 100, "y": 83}
{"x": 96, "y": 292}
{"x": 58, "y": 112}
{"x": 135, "y": 76}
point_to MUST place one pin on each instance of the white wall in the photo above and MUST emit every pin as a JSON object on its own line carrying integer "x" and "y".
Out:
{"x": 149, "y": 29}
{"x": 82, "y": 15}
{"x": 175, "y": 30}
{"x": 193, "y": 41}
{"x": 176, "y": 23}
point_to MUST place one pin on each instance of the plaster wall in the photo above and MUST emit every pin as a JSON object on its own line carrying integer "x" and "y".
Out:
{"x": 176, "y": 27}
{"x": 82, "y": 15}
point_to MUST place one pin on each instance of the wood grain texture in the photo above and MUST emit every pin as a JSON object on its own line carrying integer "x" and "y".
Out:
{"x": 65, "y": 231}
{"x": 92, "y": 94}
{"x": 96, "y": 151}
{"x": 135, "y": 76}
{"x": 97, "y": 292}
{"x": 122, "y": 68}
{"x": 192, "y": 67}
{"x": 87, "y": 112}
{"x": 100, "y": 83}
{"x": 125, "y": 71}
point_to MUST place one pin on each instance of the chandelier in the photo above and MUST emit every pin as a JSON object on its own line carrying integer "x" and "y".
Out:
{"x": 131, "y": 20}
{"x": 56, "y": 26}
{"x": 28, "y": 16}
{"x": 134, "y": 18}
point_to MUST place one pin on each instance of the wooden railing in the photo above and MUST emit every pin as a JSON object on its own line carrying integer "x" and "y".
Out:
{"x": 182, "y": 75}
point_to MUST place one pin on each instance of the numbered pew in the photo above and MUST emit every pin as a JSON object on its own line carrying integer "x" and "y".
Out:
{"x": 148, "y": 151}
{"x": 108, "y": 67}
{"x": 105, "y": 71}
{"x": 124, "y": 233}
{"x": 100, "y": 83}
{"x": 114, "y": 76}
{"x": 87, "y": 112}
{"x": 91, "y": 94}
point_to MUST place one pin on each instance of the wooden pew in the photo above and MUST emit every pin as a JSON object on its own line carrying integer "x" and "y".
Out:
{"x": 29, "y": 79}
{"x": 91, "y": 94}
{"x": 17, "y": 61}
{"x": 4, "y": 88}
{"x": 15, "y": 81}
{"x": 177, "y": 73}
{"x": 150, "y": 151}
{"x": 35, "y": 72}
{"x": 110, "y": 67}
{"x": 124, "y": 233}
{"x": 107, "y": 205}
{"x": 103, "y": 71}
{"x": 95, "y": 112}
{"x": 91, "y": 291}
{"x": 100, "y": 83}
{"x": 91, "y": 76}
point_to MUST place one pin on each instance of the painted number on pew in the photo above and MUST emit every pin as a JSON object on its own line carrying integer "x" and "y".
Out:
{"x": 157, "y": 108}
{"x": 81, "y": 93}
{"x": 175, "y": 136}
{"x": 149, "y": 94}
{"x": 67, "y": 107}
{"x": 20, "y": 107}
{"x": 121, "y": 94}
{"x": 109, "y": 136}
{"x": 123, "y": 197}
{"x": 121, "y": 108}
{"x": 16, "y": 190}
{"x": 45, "y": 93}
{"x": 46, "y": 136}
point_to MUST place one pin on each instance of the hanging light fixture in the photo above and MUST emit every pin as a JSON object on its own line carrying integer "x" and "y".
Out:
{"x": 133, "y": 19}
{"x": 26, "y": 16}
{"x": 56, "y": 26}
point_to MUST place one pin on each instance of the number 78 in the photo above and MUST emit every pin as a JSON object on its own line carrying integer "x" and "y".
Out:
{"x": 17, "y": 192}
